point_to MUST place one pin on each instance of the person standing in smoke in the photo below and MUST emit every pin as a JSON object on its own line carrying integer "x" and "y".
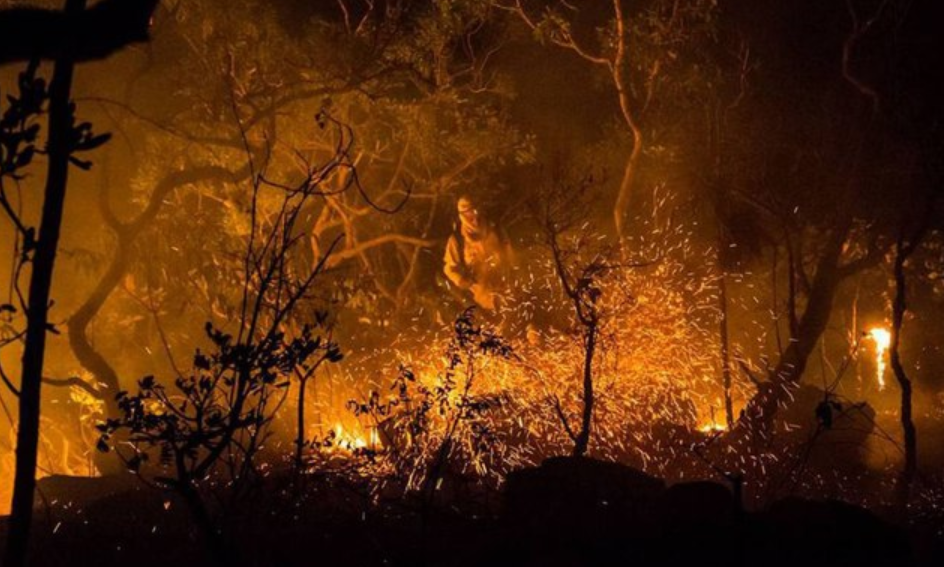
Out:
{"x": 479, "y": 256}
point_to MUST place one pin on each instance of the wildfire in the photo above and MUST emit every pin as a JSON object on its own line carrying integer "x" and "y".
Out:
{"x": 882, "y": 339}
{"x": 654, "y": 371}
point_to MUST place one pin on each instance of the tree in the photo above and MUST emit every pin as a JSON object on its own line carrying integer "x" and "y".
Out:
{"x": 215, "y": 419}
{"x": 352, "y": 58}
{"x": 41, "y": 254}
{"x": 815, "y": 212}
{"x": 904, "y": 248}
{"x": 579, "y": 282}
{"x": 399, "y": 89}
{"x": 638, "y": 47}
{"x": 327, "y": 351}
{"x": 105, "y": 376}
{"x": 103, "y": 30}
{"x": 910, "y": 100}
{"x": 584, "y": 270}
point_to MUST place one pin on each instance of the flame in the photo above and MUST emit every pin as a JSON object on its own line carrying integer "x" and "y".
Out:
{"x": 655, "y": 366}
{"x": 882, "y": 339}
{"x": 711, "y": 427}
{"x": 351, "y": 441}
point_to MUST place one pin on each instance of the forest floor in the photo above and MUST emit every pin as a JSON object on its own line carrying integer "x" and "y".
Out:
{"x": 567, "y": 512}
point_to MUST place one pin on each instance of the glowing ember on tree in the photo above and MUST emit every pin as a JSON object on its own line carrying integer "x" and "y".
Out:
{"x": 882, "y": 339}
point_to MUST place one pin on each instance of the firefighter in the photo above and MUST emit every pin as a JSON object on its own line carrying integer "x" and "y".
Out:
{"x": 479, "y": 256}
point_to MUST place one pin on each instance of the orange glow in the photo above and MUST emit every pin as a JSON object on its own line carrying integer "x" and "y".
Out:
{"x": 350, "y": 441}
{"x": 882, "y": 339}
{"x": 711, "y": 427}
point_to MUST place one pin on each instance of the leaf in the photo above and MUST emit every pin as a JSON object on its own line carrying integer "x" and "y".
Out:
{"x": 79, "y": 163}
{"x": 29, "y": 240}
{"x": 200, "y": 361}
{"x": 147, "y": 383}
{"x": 93, "y": 142}
{"x": 25, "y": 157}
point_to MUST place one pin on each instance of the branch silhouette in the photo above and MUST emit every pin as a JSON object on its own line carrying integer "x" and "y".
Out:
{"x": 96, "y": 33}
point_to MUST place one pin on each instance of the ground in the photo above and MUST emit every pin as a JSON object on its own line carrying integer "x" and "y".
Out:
{"x": 565, "y": 512}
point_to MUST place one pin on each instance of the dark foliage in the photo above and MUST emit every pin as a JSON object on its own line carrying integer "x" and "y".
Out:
{"x": 96, "y": 33}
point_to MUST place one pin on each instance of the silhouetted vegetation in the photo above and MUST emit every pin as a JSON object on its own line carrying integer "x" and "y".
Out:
{"x": 705, "y": 237}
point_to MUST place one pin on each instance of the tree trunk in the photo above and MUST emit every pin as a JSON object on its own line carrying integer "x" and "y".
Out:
{"x": 725, "y": 349}
{"x": 624, "y": 197}
{"x": 619, "y": 66}
{"x": 106, "y": 382}
{"x": 583, "y": 438}
{"x": 27, "y": 441}
{"x": 758, "y": 416}
{"x": 105, "y": 376}
{"x": 899, "y": 305}
{"x": 300, "y": 438}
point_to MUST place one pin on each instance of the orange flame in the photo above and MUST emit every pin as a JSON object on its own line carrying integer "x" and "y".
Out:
{"x": 882, "y": 339}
